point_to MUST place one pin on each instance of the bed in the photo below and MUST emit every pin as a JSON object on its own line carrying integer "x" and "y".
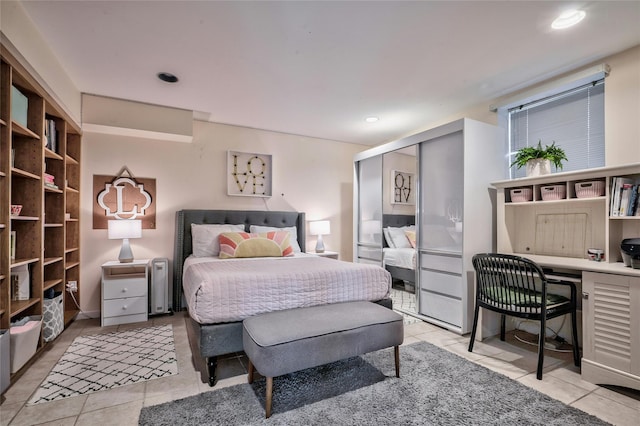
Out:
{"x": 399, "y": 261}
{"x": 218, "y": 303}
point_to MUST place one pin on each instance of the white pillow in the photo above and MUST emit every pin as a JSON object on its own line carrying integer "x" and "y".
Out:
{"x": 204, "y": 238}
{"x": 387, "y": 238}
{"x": 293, "y": 234}
{"x": 399, "y": 238}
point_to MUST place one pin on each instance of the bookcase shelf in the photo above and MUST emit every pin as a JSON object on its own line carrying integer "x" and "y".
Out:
{"x": 23, "y": 173}
{"x": 42, "y": 150}
{"x": 21, "y": 130}
{"x": 50, "y": 284}
{"x": 19, "y": 306}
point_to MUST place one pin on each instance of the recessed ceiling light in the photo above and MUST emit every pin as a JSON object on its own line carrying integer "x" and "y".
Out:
{"x": 568, "y": 19}
{"x": 167, "y": 77}
{"x": 371, "y": 119}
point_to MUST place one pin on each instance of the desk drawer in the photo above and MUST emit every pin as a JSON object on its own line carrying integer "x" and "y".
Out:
{"x": 124, "y": 287}
{"x": 438, "y": 282}
{"x": 438, "y": 262}
{"x": 126, "y": 306}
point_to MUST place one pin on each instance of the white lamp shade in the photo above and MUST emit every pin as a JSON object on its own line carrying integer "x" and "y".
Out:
{"x": 320, "y": 227}
{"x": 126, "y": 228}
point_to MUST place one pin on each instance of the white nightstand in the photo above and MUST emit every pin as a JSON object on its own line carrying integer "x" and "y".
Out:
{"x": 329, "y": 254}
{"x": 124, "y": 292}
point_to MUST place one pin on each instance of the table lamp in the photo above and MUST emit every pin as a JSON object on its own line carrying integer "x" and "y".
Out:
{"x": 124, "y": 229}
{"x": 320, "y": 228}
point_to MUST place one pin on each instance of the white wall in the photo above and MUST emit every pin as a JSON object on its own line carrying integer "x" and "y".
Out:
{"x": 621, "y": 104}
{"x": 309, "y": 175}
{"x": 20, "y": 31}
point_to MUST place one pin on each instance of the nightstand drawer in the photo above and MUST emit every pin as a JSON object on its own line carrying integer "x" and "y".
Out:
{"x": 132, "y": 286}
{"x": 127, "y": 306}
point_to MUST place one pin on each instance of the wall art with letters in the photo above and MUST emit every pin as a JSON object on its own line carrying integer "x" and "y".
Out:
{"x": 249, "y": 174}
{"x": 124, "y": 197}
{"x": 402, "y": 187}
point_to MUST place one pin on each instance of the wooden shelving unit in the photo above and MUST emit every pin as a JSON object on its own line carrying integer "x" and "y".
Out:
{"x": 47, "y": 230}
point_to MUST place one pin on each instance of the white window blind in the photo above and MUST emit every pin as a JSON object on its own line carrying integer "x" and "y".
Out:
{"x": 573, "y": 119}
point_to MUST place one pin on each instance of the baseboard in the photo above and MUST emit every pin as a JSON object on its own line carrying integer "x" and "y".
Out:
{"x": 88, "y": 315}
{"x": 600, "y": 374}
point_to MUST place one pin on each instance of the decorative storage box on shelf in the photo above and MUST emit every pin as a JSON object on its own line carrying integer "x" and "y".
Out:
{"x": 591, "y": 189}
{"x": 520, "y": 195}
{"x": 24, "y": 342}
{"x": 19, "y": 106}
{"x": 53, "y": 318}
{"x": 553, "y": 192}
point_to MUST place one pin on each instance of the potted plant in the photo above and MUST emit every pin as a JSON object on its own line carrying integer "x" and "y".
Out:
{"x": 537, "y": 159}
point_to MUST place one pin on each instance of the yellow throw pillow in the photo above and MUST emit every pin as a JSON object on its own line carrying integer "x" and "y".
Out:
{"x": 264, "y": 244}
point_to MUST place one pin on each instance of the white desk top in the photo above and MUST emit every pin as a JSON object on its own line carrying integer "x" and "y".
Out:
{"x": 582, "y": 264}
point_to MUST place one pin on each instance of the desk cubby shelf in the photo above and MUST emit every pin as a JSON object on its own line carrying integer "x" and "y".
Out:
{"x": 517, "y": 221}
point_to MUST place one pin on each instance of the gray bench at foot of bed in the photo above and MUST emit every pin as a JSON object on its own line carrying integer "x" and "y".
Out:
{"x": 282, "y": 342}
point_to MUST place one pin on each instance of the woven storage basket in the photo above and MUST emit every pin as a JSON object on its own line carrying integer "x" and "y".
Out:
{"x": 590, "y": 189}
{"x": 520, "y": 195}
{"x": 553, "y": 192}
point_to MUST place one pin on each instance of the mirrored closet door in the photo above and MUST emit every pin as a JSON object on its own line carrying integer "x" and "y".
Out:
{"x": 399, "y": 254}
{"x": 451, "y": 215}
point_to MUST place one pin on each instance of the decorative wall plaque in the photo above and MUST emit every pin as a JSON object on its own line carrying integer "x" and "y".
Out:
{"x": 249, "y": 174}
{"x": 124, "y": 197}
{"x": 402, "y": 187}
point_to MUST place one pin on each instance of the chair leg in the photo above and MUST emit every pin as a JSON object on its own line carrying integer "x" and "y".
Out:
{"x": 397, "y": 357}
{"x": 576, "y": 349}
{"x": 503, "y": 324}
{"x": 473, "y": 329}
{"x": 541, "y": 340}
{"x": 267, "y": 403}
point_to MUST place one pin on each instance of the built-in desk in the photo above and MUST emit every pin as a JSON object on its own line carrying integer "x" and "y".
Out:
{"x": 610, "y": 317}
{"x": 581, "y": 265}
{"x": 556, "y": 234}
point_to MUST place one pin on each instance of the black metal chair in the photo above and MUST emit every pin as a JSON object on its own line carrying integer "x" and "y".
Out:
{"x": 506, "y": 284}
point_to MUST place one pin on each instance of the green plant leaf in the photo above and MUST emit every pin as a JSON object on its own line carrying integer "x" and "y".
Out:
{"x": 553, "y": 153}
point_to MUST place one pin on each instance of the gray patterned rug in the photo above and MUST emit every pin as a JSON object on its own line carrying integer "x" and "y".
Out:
{"x": 436, "y": 387}
{"x": 105, "y": 361}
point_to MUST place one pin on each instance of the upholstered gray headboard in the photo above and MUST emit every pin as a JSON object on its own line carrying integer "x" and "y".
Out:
{"x": 184, "y": 219}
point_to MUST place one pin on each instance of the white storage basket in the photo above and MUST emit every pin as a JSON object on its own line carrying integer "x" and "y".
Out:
{"x": 553, "y": 192}
{"x": 590, "y": 189}
{"x": 24, "y": 342}
{"x": 520, "y": 195}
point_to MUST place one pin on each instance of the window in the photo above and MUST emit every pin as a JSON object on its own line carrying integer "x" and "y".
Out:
{"x": 573, "y": 119}
{"x": 572, "y": 116}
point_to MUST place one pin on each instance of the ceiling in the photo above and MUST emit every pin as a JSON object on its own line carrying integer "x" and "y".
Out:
{"x": 319, "y": 68}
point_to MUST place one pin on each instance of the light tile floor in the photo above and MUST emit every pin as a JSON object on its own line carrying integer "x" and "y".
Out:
{"x": 121, "y": 406}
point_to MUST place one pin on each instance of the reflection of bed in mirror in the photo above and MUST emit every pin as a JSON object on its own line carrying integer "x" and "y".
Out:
{"x": 399, "y": 261}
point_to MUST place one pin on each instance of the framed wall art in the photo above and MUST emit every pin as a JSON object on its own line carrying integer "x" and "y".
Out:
{"x": 249, "y": 174}
{"x": 124, "y": 197}
{"x": 402, "y": 188}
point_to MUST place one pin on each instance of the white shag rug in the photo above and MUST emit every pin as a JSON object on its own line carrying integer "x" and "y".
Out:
{"x": 105, "y": 361}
